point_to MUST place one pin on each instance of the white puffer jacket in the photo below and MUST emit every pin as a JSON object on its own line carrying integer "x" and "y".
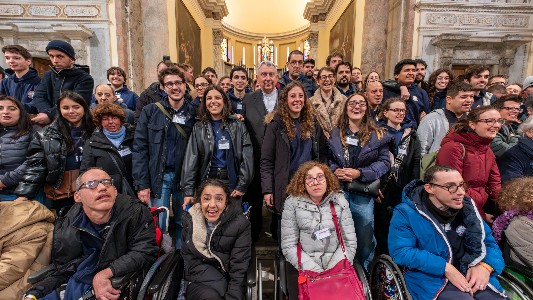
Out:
{"x": 301, "y": 218}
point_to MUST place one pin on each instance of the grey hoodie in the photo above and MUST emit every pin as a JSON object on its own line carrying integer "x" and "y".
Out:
{"x": 432, "y": 130}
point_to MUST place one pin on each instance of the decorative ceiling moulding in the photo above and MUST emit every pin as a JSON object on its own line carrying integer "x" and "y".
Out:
{"x": 317, "y": 10}
{"x": 43, "y": 11}
{"x": 296, "y": 33}
{"x": 510, "y": 6}
{"x": 55, "y": 31}
{"x": 214, "y": 9}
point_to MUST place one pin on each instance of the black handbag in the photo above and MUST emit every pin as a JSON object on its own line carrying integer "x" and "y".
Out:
{"x": 370, "y": 189}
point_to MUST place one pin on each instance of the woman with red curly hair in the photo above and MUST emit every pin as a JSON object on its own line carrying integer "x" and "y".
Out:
{"x": 308, "y": 213}
{"x": 110, "y": 145}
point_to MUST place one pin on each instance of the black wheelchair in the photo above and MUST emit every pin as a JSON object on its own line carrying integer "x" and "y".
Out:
{"x": 387, "y": 282}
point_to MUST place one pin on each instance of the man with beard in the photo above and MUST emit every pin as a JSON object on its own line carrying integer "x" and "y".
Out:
{"x": 478, "y": 76}
{"x": 161, "y": 137}
{"x": 421, "y": 68}
{"x": 374, "y": 94}
{"x": 343, "y": 72}
{"x": 309, "y": 67}
{"x": 295, "y": 65}
{"x": 433, "y": 128}
{"x": 256, "y": 106}
{"x": 417, "y": 103}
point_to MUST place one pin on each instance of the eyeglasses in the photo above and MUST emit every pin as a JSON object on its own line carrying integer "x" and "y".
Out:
{"x": 92, "y": 184}
{"x": 324, "y": 77}
{"x": 171, "y": 84}
{"x": 511, "y": 108}
{"x": 452, "y": 188}
{"x": 265, "y": 75}
{"x": 353, "y": 104}
{"x": 319, "y": 179}
{"x": 397, "y": 110}
{"x": 491, "y": 122}
{"x": 296, "y": 63}
{"x": 200, "y": 85}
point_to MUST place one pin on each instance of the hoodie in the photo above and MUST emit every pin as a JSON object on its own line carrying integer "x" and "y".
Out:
{"x": 22, "y": 88}
{"x": 309, "y": 85}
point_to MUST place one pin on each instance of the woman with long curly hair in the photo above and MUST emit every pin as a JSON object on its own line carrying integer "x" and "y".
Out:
{"x": 308, "y": 210}
{"x": 466, "y": 148}
{"x": 359, "y": 151}
{"x": 516, "y": 200}
{"x": 291, "y": 138}
{"x": 438, "y": 85}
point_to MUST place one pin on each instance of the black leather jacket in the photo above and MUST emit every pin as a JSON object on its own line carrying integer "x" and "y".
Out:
{"x": 46, "y": 159}
{"x": 200, "y": 150}
{"x": 129, "y": 245}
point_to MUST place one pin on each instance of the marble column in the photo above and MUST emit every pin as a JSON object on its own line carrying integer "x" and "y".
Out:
{"x": 374, "y": 53}
{"x": 217, "y": 60}
{"x": 313, "y": 43}
{"x": 154, "y": 23}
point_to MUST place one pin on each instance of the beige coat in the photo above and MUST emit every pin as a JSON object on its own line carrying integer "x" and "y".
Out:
{"x": 26, "y": 232}
{"x": 328, "y": 117}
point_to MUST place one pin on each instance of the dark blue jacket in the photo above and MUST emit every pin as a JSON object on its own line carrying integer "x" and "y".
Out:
{"x": 517, "y": 161}
{"x": 21, "y": 89}
{"x": 150, "y": 147}
{"x": 418, "y": 242}
{"x": 352, "y": 89}
{"x": 54, "y": 83}
{"x": 309, "y": 84}
{"x": 439, "y": 100}
{"x": 235, "y": 101}
{"x": 128, "y": 97}
{"x": 13, "y": 152}
{"x": 483, "y": 99}
{"x": 418, "y": 102}
{"x": 373, "y": 160}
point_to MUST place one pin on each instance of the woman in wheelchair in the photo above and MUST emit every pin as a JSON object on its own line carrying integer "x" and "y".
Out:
{"x": 216, "y": 245}
{"x": 307, "y": 219}
{"x": 514, "y": 228}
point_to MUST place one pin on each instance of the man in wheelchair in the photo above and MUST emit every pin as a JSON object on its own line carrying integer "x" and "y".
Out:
{"x": 438, "y": 235}
{"x": 103, "y": 235}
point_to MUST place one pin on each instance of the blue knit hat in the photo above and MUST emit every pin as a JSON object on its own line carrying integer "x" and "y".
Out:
{"x": 63, "y": 47}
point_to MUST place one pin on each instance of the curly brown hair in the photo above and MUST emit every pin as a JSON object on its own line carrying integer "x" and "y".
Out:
{"x": 306, "y": 115}
{"x": 296, "y": 186}
{"x": 110, "y": 110}
{"x": 517, "y": 194}
{"x": 367, "y": 123}
{"x": 432, "y": 90}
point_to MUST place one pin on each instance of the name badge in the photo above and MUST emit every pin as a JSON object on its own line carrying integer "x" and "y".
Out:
{"x": 124, "y": 151}
{"x": 179, "y": 119}
{"x": 402, "y": 151}
{"x": 322, "y": 233}
{"x": 239, "y": 105}
{"x": 352, "y": 141}
{"x": 223, "y": 144}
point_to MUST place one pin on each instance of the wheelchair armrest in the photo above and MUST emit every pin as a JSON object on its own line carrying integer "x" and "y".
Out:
{"x": 251, "y": 275}
{"x": 166, "y": 269}
{"x": 119, "y": 282}
{"x": 40, "y": 275}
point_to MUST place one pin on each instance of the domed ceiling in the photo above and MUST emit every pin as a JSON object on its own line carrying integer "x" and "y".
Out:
{"x": 269, "y": 17}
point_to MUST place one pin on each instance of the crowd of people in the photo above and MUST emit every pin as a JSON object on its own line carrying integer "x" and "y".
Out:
{"x": 421, "y": 170}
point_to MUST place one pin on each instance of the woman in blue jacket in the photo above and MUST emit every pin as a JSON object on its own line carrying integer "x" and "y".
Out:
{"x": 359, "y": 150}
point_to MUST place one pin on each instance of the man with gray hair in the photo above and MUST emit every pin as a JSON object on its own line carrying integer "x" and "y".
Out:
{"x": 256, "y": 106}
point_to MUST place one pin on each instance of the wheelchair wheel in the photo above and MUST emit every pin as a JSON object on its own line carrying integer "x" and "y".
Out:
{"x": 362, "y": 276}
{"x": 514, "y": 287}
{"x": 386, "y": 280}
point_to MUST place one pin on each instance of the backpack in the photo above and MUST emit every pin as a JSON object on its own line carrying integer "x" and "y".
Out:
{"x": 428, "y": 160}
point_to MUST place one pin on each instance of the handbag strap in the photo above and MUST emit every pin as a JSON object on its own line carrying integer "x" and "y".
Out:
{"x": 178, "y": 127}
{"x": 337, "y": 227}
{"x": 299, "y": 254}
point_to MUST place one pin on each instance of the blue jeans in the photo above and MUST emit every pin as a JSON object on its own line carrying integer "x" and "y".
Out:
{"x": 362, "y": 209}
{"x": 170, "y": 189}
{"x": 6, "y": 197}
